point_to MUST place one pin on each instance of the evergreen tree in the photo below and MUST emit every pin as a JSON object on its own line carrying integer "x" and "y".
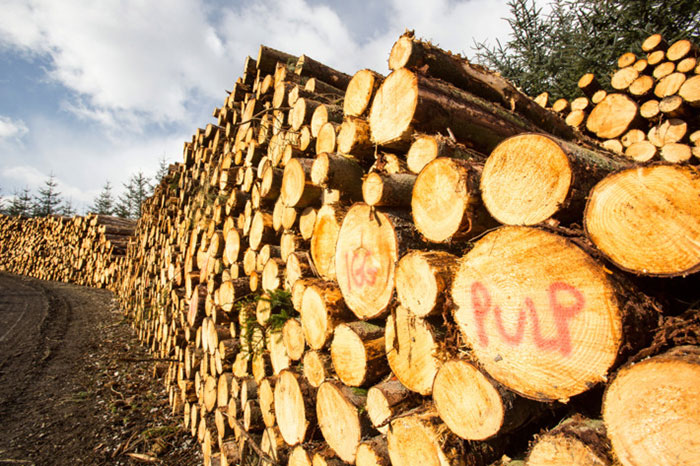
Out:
{"x": 137, "y": 190}
{"x": 550, "y": 51}
{"x": 2, "y": 203}
{"x": 163, "y": 169}
{"x": 21, "y": 204}
{"x": 68, "y": 209}
{"x": 104, "y": 203}
{"x": 48, "y": 202}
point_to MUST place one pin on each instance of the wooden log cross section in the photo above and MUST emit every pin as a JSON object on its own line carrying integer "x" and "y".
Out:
{"x": 423, "y": 268}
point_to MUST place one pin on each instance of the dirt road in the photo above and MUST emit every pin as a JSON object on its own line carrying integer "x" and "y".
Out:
{"x": 75, "y": 385}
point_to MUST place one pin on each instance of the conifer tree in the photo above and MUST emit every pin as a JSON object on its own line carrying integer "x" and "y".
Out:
{"x": 104, "y": 202}
{"x": 21, "y": 204}
{"x": 48, "y": 202}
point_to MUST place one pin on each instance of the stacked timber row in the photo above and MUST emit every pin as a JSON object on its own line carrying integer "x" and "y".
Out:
{"x": 85, "y": 250}
{"x": 421, "y": 268}
{"x": 393, "y": 270}
{"x": 650, "y": 112}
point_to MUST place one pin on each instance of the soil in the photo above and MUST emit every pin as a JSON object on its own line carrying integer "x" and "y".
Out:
{"x": 76, "y": 387}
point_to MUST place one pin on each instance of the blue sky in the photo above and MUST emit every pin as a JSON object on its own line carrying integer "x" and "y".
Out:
{"x": 95, "y": 91}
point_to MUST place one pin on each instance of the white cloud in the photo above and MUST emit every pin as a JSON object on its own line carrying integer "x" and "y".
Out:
{"x": 12, "y": 129}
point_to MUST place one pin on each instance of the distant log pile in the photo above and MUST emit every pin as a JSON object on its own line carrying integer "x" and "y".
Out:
{"x": 84, "y": 250}
{"x": 422, "y": 268}
{"x": 651, "y": 113}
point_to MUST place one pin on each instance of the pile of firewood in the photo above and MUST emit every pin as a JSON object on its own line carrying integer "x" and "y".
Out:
{"x": 652, "y": 112}
{"x": 84, "y": 250}
{"x": 422, "y": 268}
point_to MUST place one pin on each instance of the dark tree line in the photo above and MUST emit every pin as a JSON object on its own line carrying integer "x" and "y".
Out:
{"x": 551, "y": 48}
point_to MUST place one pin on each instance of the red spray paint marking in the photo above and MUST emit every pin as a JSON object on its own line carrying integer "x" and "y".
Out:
{"x": 481, "y": 302}
{"x": 360, "y": 273}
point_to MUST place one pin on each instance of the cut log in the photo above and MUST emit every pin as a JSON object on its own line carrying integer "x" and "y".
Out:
{"x": 387, "y": 399}
{"x": 411, "y": 346}
{"x": 268, "y": 58}
{"x": 416, "y": 55}
{"x": 342, "y": 423}
{"x": 690, "y": 91}
{"x": 327, "y": 138}
{"x": 299, "y": 457}
{"x": 542, "y": 317}
{"x": 294, "y": 407}
{"x": 612, "y": 117}
{"x": 354, "y": 139}
{"x": 322, "y": 309}
{"x": 336, "y": 171}
{"x": 680, "y": 49}
{"x": 388, "y": 190}
{"x": 317, "y": 367}
{"x": 530, "y": 178}
{"x": 325, "y": 90}
{"x": 654, "y": 42}
{"x": 427, "y": 148}
{"x": 669, "y": 85}
{"x": 422, "y": 438}
{"x": 446, "y": 202}
{"x": 575, "y": 441}
{"x": 325, "y": 235}
{"x": 366, "y": 253}
{"x": 475, "y": 407}
{"x": 266, "y": 399}
{"x": 373, "y": 452}
{"x": 297, "y": 189}
{"x": 663, "y": 69}
{"x": 408, "y": 102}
{"x": 650, "y": 409}
{"x": 675, "y": 152}
{"x": 293, "y": 337}
{"x": 302, "y": 112}
{"x": 646, "y": 219}
{"x": 360, "y": 91}
{"x": 307, "y": 66}
{"x": 641, "y": 86}
{"x": 322, "y": 115}
{"x": 423, "y": 280}
{"x": 589, "y": 85}
{"x": 641, "y": 151}
{"x": 357, "y": 352}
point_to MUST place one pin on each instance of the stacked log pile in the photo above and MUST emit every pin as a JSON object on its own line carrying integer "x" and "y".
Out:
{"x": 421, "y": 268}
{"x": 650, "y": 113}
{"x": 84, "y": 250}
